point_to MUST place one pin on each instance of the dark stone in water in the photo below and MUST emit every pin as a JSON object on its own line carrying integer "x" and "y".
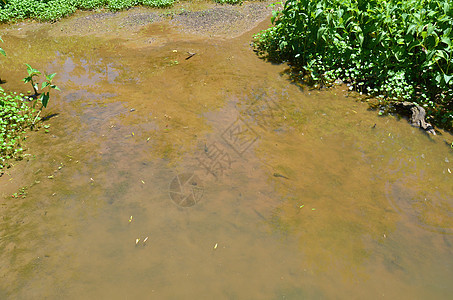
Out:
{"x": 416, "y": 115}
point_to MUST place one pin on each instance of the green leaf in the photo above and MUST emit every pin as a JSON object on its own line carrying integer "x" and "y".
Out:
{"x": 32, "y": 72}
{"x": 430, "y": 29}
{"x": 2, "y": 52}
{"x": 44, "y": 99}
{"x": 446, "y": 40}
{"x": 442, "y": 54}
{"x": 51, "y": 76}
{"x": 412, "y": 29}
{"x": 45, "y": 84}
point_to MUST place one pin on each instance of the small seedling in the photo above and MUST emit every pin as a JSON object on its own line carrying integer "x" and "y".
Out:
{"x": 42, "y": 94}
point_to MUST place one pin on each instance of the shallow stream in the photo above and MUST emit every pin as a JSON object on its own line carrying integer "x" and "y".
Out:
{"x": 213, "y": 177}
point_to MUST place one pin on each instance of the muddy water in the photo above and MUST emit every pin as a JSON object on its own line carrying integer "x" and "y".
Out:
{"x": 244, "y": 185}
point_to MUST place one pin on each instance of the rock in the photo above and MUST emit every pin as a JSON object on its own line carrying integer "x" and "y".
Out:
{"x": 416, "y": 115}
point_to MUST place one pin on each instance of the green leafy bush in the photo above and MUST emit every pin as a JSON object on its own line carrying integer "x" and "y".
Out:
{"x": 157, "y": 3}
{"x": 399, "y": 50}
{"x": 51, "y": 10}
{"x": 116, "y": 5}
{"x": 91, "y": 4}
{"x": 41, "y": 10}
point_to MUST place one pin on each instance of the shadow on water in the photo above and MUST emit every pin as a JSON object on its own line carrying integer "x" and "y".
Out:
{"x": 214, "y": 177}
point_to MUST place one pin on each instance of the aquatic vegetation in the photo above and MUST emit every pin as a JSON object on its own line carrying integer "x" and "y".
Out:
{"x": 16, "y": 116}
{"x": 11, "y": 10}
{"x": 396, "y": 50}
{"x": 44, "y": 94}
{"x": 19, "y": 113}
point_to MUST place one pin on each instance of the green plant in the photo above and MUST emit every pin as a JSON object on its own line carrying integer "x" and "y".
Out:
{"x": 47, "y": 85}
{"x": 21, "y": 193}
{"x": 2, "y": 52}
{"x": 396, "y": 50}
{"x": 51, "y": 10}
{"x": 116, "y": 5}
{"x": 44, "y": 94}
{"x": 18, "y": 112}
{"x": 92, "y": 4}
{"x": 32, "y": 73}
{"x": 16, "y": 116}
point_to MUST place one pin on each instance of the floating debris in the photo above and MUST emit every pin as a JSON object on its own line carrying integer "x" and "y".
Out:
{"x": 130, "y": 219}
{"x": 144, "y": 241}
{"x": 280, "y": 175}
{"x": 215, "y": 246}
{"x": 137, "y": 241}
{"x": 191, "y": 54}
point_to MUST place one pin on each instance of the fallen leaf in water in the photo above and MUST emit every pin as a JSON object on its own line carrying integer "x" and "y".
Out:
{"x": 144, "y": 241}
{"x": 313, "y": 209}
{"x": 130, "y": 219}
{"x": 215, "y": 246}
{"x": 449, "y": 171}
{"x": 137, "y": 241}
{"x": 302, "y": 206}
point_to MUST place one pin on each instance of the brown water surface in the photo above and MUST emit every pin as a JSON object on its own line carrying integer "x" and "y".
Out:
{"x": 244, "y": 185}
